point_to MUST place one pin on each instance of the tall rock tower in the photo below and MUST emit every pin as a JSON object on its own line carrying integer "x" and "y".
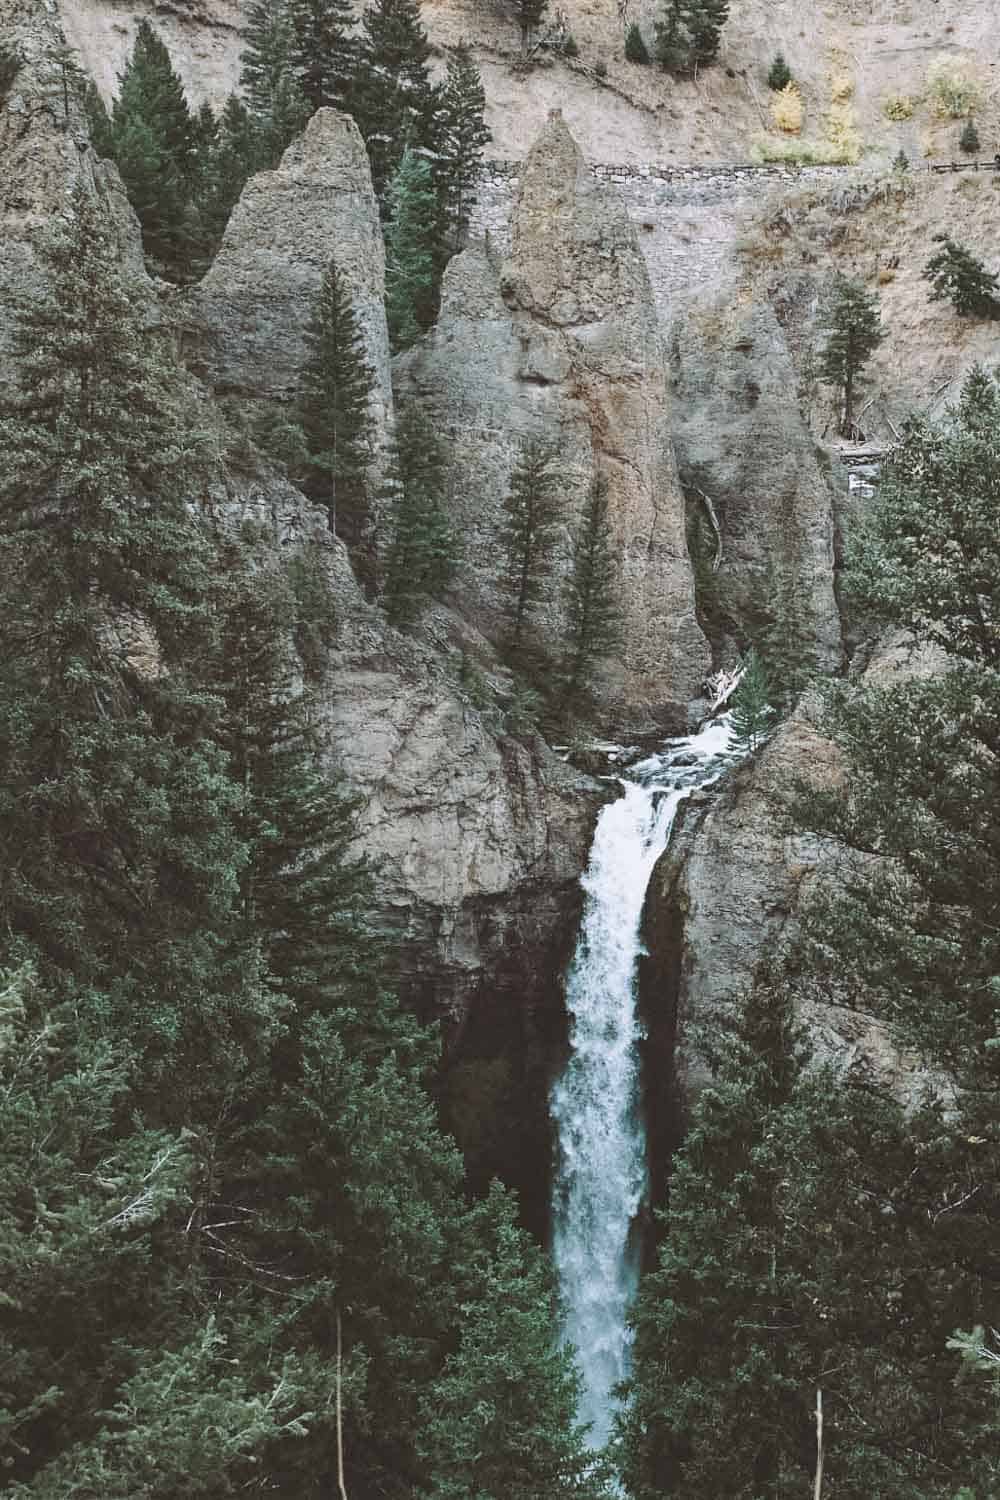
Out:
{"x": 561, "y": 341}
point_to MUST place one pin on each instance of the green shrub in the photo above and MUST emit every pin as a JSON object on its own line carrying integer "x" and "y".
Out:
{"x": 636, "y": 50}
{"x": 10, "y": 66}
{"x": 780, "y": 75}
{"x": 600, "y": 69}
{"x": 953, "y": 94}
{"x": 569, "y": 47}
{"x": 969, "y": 141}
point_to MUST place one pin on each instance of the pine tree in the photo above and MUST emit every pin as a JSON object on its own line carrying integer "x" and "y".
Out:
{"x": 500, "y": 1421}
{"x": 529, "y": 15}
{"x": 593, "y": 611}
{"x": 84, "y": 1200}
{"x": 268, "y": 80}
{"x": 752, "y": 713}
{"x": 917, "y": 940}
{"x": 956, "y": 274}
{"x": 708, "y": 21}
{"x": 785, "y": 645}
{"x": 969, "y": 141}
{"x": 779, "y": 75}
{"x": 762, "y": 1295}
{"x": 672, "y": 47}
{"x": 411, "y": 237}
{"x": 231, "y": 161}
{"x": 153, "y": 140}
{"x": 98, "y": 121}
{"x": 392, "y": 99}
{"x": 334, "y": 407}
{"x": 533, "y": 509}
{"x": 421, "y": 556}
{"x": 113, "y": 790}
{"x": 459, "y": 135}
{"x": 323, "y": 50}
{"x": 636, "y": 50}
{"x": 69, "y": 77}
{"x": 851, "y": 325}
{"x": 688, "y": 33}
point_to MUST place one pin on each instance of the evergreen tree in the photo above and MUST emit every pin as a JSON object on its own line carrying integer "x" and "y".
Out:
{"x": 500, "y": 1421}
{"x": 267, "y": 78}
{"x": 529, "y": 15}
{"x": 688, "y": 33}
{"x": 763, "y": 1296}
{"x": 706, "y": 27}
{"x": 232, "y": 158}
{"x": 752, "y": 714}
{"x": 323, "y": 50}
{"x": 153, "y": 139}
{"x": 924, "y": 783}
{"x": 411, "y": 237}
{"x": 98, "y": 121}
{"x": 421, "y": 556}
{"x": 82, "y": 1205}
{"x": 335, "y": 393}
{"x": 969, "y": 141}
{"x": 779, "y": 75}
{"x": 851, "y": 325}
{"x": 593, "y": 612}
{"x": 533, "y": 509}
{"x": 61, "y": 58}
{"x": 785, "y": 645}
{"x": 956, "y": 274}
{"x": 392, "y": 99}
{"x": 459, "y": 135}
{"x": 105, "y": 609}
{"x": 636, "y": 50}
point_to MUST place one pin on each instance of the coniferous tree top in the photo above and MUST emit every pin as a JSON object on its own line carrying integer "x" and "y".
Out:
{"x": 392, "y": 99}
{"x": 779, "y": 75}
{"x": 334, "y": 405}
{"x": 850, "y": 323}
{"x": 956, "y": 275}
{"x": 411, "y": 238}
{"x": 323, "y": 50}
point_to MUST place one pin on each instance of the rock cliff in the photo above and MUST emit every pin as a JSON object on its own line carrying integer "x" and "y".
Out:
{"x": 248, "y": 313}
{"x": 745, "y": 449}
{"x": 560, "y": 341}
{"x": 477, "y": 836}
{"x": 733, "y": 885}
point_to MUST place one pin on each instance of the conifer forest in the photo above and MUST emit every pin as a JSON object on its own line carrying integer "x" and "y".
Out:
{"x": 499, "y": 755}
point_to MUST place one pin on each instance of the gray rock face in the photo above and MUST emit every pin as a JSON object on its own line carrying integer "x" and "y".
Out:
{"x": 743, "y": 441}
{"x": 731, "y": 884}
{"x": 44, "y": 154}
{"x": 250, "y": 309}
{"x": 478, "y": 838}
{"x": 561, "y": 341}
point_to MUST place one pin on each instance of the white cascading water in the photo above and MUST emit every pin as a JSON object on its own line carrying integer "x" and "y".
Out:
{"x": 601, "y": 1179}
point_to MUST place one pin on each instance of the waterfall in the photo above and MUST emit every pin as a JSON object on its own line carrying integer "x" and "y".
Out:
{"x": 601, "y": 1178}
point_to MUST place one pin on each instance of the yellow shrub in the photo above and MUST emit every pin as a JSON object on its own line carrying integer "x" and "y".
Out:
{"x": 885, "y": 275}
{"x": 953, "y": 91}
{"x": 841, "y": 86}
{"x": 843, "y": 134}
{"x": 786, "y": 109}
{"x": 897, "y": 107}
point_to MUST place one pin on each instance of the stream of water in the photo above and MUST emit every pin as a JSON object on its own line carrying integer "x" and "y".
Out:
{"x": 601, "y": 1176}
